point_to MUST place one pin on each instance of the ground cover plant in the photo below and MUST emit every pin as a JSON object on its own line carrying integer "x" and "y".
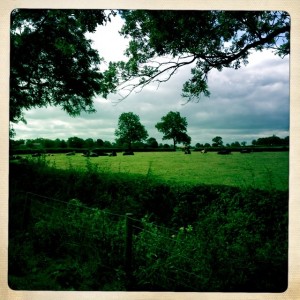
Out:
{"x": 185, "y": 237}
{"x": 264, "y": 170}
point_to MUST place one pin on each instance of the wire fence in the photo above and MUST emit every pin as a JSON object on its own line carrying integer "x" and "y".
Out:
{"x": 150, "y": 256}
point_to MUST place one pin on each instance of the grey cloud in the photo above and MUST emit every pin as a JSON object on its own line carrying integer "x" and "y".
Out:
{"x": 245, "y": 104}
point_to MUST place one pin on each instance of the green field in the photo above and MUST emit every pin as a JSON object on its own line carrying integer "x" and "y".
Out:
{"x": 264, "y": 170}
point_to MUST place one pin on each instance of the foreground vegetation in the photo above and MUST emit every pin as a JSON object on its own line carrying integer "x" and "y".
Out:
{"x": 185, "y": 238}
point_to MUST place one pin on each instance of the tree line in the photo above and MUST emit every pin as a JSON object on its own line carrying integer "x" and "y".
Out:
{"x": 132, "y": 133}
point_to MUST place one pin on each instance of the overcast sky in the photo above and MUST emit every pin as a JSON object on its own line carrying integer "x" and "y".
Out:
{"x": 244, "y": 104}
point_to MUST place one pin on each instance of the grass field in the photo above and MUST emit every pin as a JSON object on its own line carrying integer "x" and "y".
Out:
{"x": 264, "y": 170}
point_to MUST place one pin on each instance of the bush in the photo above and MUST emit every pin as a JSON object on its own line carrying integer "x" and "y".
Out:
{"x": 201, "y": 238}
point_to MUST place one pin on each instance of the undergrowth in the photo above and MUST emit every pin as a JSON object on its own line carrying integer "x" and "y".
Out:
{"x": 185, "y": 238}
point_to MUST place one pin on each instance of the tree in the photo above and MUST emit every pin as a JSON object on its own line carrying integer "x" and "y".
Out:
{"x": 161, "y": 42}
{"x": 89, "y": 143}
{"x": 100, "y": 143}
{"x": 270, "y": 141}
{"x": 75, "y": 142}
{"x": 174, "y": 127}
{"x": 53, "y": 63}
{"x": 107, "y": 144}
{"x": 151, "y": 142}
{"x": 217, "y": 141}
{"x": 235, "y": 144}
{"x": 130, "y": 129}
{"x": 198, "y": 145}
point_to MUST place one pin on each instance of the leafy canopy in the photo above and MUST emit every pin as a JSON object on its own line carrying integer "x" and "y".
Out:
{"x": 130, "y": 129}
{"x": 53, "y": 63}
{"x": 174, "y": 127}
{"x": 162, "y": 42}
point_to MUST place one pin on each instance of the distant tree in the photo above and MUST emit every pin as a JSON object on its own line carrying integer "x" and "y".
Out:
{"x": 75, "y": 142}
{"x": 286, "y": 141}
{"x": 198, "y": 145}
{"x": 174, "y": 127}
{"x": 217, "y": 141}
{"x": 89, "y": 143}
{"x": 58, "y": 143}
{"x": 269, "y": 141}
{"x": 130, "y": 129}
{"x": 48, "y": 143}
{"x": 63, "y": 144}
{"x": 207, "y": 145}
{"x": 151, "y": 142}
{"x": 138, "y": 145}
{"x": 107, "y": 144}
{"x": 243, "y": 143}
{"x": 235, "y": 144}
{"x": 99, "y": 143}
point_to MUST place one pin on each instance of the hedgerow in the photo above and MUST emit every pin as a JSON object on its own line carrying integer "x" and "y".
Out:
{"x": 185, "y": 238}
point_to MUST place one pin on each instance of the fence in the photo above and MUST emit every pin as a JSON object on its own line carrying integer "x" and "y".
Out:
{"x": 143, "y": 255}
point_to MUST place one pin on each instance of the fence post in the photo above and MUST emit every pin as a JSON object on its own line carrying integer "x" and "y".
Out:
{"x": 27, "y": 212}
{"x": 128, "y": 251}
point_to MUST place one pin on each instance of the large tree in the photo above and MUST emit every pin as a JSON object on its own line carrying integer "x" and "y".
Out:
{"x": 174, "y": 127}
{"x": 217, "y": 141}
{"x": 53, "y": 63}
{"x": 130, "y": 129}
{"x": 161, "y": 42}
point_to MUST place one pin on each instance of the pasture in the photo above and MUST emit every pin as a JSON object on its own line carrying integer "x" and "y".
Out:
{"x": 263, "y": 170}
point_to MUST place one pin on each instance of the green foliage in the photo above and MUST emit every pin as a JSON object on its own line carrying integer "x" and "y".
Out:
{"x": 130, "y": 129}
{"x": 73, "y": 247}
{"x": 232, "y": 246}
{"x": 271, "y": 141}
{"x": 174, "y": 127}
{"x": 161, "y": 42}
{"x": 217, "y": 141}
{"x": 200, "y": 238}
{"x": 54, "y": 65}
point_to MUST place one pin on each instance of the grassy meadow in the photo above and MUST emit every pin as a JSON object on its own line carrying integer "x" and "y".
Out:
{"x": 263, "y": 170}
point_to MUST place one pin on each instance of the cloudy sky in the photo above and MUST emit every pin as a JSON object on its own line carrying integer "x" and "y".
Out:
{"x": 245, "y": 104}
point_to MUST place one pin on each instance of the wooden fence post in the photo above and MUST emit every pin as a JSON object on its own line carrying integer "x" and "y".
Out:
{"x": 128, "y": 251}
{"x": 27, "y": 212}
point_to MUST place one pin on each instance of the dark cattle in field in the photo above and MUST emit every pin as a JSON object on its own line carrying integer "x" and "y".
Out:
{"x": 36, "y": 154}
{"x": 101, "y": 153}
{"x": 93, "y": 154}
{"x": 128, "y": 152}
{"x": 187, "y": 150}
{"x": 224, "y": 152}
{"x": 114, "y": 153}
{"x": 70, "y": 153}
{"x": 90, "y": 154}
{"x": 245, "y": 151}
